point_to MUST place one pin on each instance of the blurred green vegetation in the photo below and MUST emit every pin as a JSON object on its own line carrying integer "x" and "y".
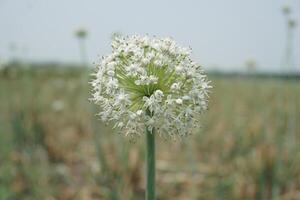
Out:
{"x": 52, "y": 146}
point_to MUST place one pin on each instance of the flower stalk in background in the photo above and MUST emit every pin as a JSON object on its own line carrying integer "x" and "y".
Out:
{"x": 290, "y": 24}
{"x": 150, "y": 84}
{"x": 81, "y": 34}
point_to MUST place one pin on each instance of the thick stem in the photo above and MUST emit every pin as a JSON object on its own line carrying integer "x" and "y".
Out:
{"x": 150, "y": 168}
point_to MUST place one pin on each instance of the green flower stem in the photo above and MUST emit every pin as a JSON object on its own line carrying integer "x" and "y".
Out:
{"x": 83, "y": 54}
{"x": 150, "y": 168}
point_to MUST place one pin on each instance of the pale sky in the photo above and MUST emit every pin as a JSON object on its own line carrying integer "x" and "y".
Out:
{"x": 222, "y": 33}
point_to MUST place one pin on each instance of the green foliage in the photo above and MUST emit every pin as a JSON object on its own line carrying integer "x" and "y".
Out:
{"x": 247, "y": 147}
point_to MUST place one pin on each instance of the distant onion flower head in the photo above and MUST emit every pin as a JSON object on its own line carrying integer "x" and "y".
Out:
{"x": 3, "y": 64}
{"x": 250, "y": 63}
{"x": 150, "y": 82}
{"x": 58, "y": 105}
{"x": 286, "y": 9}
{"x": 292, "y": 23}
{"x": 81, "y": 32}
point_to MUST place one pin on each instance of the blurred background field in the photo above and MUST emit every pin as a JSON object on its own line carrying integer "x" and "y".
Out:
{"x": 53, "y": 148}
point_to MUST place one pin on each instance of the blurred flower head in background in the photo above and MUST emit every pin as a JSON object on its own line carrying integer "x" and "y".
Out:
{"x": 81, "y": 32}
{"x": 286, "y": 9}
{"x": 150, "y": 82}
{"x": 292, "y": 23}
{"x": 58, "y": 105}
{"x": 250, "y": 64}
{"x": 3, "y": 64}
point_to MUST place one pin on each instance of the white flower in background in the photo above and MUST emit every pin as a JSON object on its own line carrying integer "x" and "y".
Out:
{"x": 3, "y": 64}
{"x": 150, "y": 82}
{"x": 57, "y": 105}
{"x": 286, "y": 9}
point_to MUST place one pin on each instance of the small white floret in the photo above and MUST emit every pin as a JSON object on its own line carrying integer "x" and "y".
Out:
{"x": 179, "y": 101}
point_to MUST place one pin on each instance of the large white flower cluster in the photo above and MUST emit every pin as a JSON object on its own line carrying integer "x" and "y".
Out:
{"x": 150, "y": 83}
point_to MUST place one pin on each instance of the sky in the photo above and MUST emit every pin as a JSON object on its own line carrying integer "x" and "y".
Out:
{"x": 223, "y": 34}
